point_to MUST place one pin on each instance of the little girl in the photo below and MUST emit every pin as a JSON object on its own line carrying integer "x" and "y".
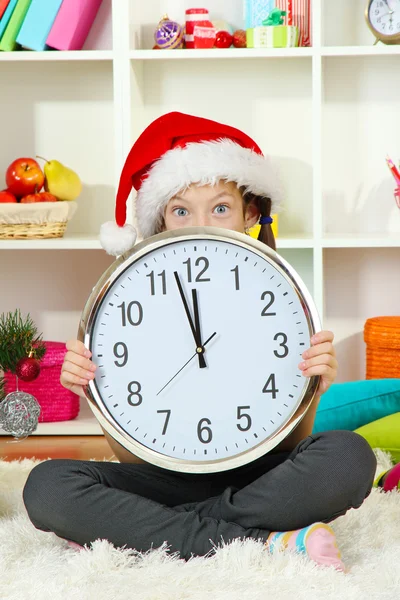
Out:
{"x": 190, "y": 171}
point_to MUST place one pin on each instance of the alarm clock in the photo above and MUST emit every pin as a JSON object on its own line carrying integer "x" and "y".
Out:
{"x": 383, "y": 18}
{"x": 197, "y": 334}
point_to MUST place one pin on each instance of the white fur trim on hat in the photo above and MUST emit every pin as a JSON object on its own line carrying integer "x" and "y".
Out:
{"x": 203, "y": 163}
{"x": 117, "y": 240}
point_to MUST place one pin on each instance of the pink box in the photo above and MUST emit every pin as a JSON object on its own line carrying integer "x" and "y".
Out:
{"x": 72, "y": 24}
{"x": 56, "y": 402}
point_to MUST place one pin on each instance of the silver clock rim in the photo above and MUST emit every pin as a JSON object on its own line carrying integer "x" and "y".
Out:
{"x": 87, "y": 323}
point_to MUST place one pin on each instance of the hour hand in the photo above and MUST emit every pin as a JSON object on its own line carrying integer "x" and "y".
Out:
{"x": 195, "y": 332}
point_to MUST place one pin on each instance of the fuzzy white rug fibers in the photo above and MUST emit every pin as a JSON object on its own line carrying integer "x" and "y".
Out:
{"x": 39, "y": 565}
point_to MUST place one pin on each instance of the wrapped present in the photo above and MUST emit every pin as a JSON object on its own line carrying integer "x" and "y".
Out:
{"x": 56, "y": 402}
{"x": 298, "y": 14}
{"x": 279, "y": 36}
{"x": 255, "y": 11}
{"x": 382, "y": 339}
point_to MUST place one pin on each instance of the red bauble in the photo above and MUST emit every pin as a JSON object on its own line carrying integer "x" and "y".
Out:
{"x": 224, "y": 39}
{"x": 239, "y": 38}
{"x": 28, "y": 369}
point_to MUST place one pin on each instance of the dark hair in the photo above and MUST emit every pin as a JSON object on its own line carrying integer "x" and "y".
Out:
{"x": 264, "y": 205}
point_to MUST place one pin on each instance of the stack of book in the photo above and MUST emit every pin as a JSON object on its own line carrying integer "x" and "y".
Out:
{"x": 46, "y": 24}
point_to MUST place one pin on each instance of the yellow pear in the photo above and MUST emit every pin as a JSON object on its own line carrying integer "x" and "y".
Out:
{"x": 61, "y": 181}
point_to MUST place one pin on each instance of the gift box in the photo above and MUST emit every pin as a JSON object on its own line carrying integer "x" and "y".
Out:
{"x": 299, "y": 15}
{"x": 56, "y": 402}
{"x": 278, "y": 36}
{"x": 382, "y": 338}
{"x": 256, "y": 11}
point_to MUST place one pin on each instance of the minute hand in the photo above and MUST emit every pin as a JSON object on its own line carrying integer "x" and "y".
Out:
{"x": 195, "y": 332}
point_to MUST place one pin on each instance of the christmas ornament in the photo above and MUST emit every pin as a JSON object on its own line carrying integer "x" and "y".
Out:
{"x": 204, "y": 37}
{"x": 195, "y": 16}
{"x": 239, "y": 38}
{"x": 20, "y": 351}
{"x": 27, "y": 369}
{"x": 19, "y": 414}
{"x": 223, "y": 39}
{"x": 169, "y": 34}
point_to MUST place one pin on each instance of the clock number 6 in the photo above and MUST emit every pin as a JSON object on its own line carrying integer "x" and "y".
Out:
{"x": 201, "y": 429}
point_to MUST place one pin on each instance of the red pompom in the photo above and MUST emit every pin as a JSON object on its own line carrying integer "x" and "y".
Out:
{"x": 28, "y": 369}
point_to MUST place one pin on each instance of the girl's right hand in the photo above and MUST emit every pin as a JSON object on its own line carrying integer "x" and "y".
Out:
{"x": 77, "y": 369}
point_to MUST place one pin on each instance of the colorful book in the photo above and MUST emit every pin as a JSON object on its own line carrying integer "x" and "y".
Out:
{"x": 8, "y": 41}
{"x": 3, "y": 6}
{"x": 72, "y": 24}
{"x": 38, "y": 23}
{"x": 7, "y": 16}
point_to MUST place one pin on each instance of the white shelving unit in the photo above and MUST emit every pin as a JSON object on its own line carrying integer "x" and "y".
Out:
{"x": 327, "y": 114}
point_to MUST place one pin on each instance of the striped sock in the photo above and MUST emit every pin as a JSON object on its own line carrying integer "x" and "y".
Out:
{"x": 389, "y": 480}
{"x": 317, "y": 541}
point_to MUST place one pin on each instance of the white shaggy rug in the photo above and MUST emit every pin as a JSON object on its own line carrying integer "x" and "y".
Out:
{"x": 39, "y": 565}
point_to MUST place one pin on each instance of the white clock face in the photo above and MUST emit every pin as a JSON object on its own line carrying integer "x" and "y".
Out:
{"x": 200, "y": 406}
{"x": 384, "y": 16}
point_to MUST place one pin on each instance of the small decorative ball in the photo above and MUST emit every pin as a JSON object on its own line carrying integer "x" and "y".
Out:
{"x": 27, "y": 369}
{"x": 224, "y": 39}
{"x": 19, "y": 414}
{"x": 239, "y": 38}
{"x": 169, "y": 34}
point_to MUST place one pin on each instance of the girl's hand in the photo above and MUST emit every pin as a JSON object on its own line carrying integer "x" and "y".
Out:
{"x": 77, "y": 369}
{"x": 320, "y": 359}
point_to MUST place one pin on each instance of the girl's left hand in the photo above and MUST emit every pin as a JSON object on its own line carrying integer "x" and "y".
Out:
{"x": 320, "y": 359}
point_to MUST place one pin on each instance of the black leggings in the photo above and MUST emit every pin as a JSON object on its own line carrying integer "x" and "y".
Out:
{"x": 142, "y": 506}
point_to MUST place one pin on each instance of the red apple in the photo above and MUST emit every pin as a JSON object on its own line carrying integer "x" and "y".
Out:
{"x": 47, "y": 197}
{"x": 6, "y": 196}
{"x": 39, "y": 197}
{"x": 24, "y": 176}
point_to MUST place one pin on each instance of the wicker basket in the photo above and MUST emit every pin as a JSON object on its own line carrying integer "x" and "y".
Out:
{"x": 56, "y": 402}
{"x": 35, "y": 221}
{"x": 382, "y": 336}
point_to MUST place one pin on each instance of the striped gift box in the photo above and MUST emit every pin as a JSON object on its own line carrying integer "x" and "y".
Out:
{"x": 279, "y": 36}
{"x": 298, "y": 14}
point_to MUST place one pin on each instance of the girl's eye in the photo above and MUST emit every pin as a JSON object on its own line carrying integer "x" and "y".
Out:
{"x": 180, "y": 212}
{"x": 221, "y": 209}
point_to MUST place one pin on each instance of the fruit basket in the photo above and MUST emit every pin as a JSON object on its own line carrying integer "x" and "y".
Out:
{"x": 37, "y": 220}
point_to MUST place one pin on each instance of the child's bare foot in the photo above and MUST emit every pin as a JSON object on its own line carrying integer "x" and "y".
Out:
{"x": 318, "y": 541}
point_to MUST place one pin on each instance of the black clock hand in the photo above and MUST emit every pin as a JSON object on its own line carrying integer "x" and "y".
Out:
{"x": 186, "y": 363}
{"x": 196, "y": 317}
{"x": 199, "y": 347}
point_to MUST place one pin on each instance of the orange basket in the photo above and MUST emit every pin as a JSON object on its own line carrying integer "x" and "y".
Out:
{"x": 382, "y": 337}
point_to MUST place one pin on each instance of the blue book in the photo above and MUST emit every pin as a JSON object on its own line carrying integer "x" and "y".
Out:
{"x": 37, "y": 24}
{"x": 7, "y": 16}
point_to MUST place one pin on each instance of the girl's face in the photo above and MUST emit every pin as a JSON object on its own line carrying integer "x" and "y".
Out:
{"x": 217, "y": 206}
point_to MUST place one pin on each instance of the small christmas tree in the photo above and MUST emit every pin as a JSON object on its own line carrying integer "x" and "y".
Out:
{"x": 21, "y": 348}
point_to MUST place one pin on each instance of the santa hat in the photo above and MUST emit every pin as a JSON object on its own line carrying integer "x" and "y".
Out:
{"x": 175, "y": 151}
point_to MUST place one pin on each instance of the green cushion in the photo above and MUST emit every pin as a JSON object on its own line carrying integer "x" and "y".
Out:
{"x": 384, "y": 434}
{"x": 354, "y": 404}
